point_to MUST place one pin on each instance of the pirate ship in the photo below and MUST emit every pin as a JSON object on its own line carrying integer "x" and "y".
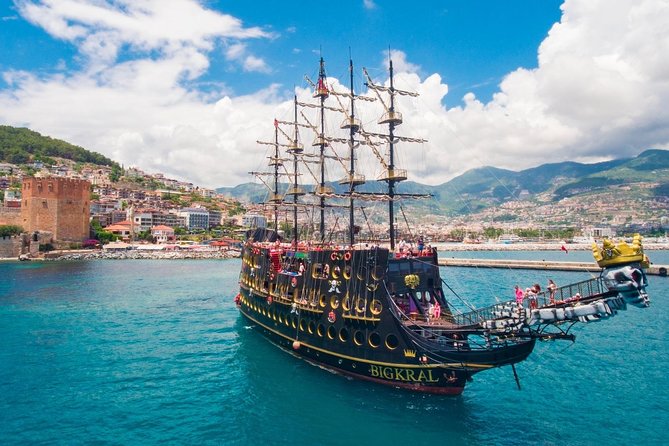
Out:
{"x": 377, "y": 311}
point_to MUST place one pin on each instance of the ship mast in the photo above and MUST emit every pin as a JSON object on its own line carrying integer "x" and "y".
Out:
{"x": 351, "y": 143}
{"x": 393, "y": 118}
{"x": 276, "y": 162}
{"x": 296, "y": 149}
{"x": 322, "y": 93}
{"x": 391, "y": 159}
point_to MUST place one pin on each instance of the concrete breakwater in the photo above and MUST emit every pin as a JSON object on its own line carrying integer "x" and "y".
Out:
{"x": 530, "y": 246}
{"x": 656, "y": 270}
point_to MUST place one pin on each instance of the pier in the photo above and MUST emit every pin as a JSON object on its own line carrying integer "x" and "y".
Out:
{"x": 548, "y": 265}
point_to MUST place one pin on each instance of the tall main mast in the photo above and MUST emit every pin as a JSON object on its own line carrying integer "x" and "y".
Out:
{"x": 322, "y": 93}
{"x": 393, "y": 118}
{"x": 351, "y": 144}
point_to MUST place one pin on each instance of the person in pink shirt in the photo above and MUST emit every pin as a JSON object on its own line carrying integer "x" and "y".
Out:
{"x": 520, "y": 296}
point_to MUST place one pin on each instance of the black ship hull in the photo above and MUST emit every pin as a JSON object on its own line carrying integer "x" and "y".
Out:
{"x": 341, "y": 313}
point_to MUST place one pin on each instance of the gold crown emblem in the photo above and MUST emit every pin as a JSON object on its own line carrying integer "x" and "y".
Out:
{"x": 611, "y": 254}
{"x": 408, "y": 353}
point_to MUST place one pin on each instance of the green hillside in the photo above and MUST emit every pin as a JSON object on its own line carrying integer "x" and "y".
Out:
{"x": 22, "y": 146}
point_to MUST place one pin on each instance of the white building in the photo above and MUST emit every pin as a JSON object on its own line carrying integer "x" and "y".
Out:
{"x": 254, "y": 221}
{"x": 195, "y": 218}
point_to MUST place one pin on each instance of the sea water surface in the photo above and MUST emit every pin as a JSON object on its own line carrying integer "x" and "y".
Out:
{"x": 154, "y": 352}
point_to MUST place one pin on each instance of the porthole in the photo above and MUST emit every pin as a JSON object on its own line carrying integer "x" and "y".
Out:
{"x": 377, "y": 273}
{"x": 303, "y": 325}
{"x": 360, "y": 305}
{"x": 322, "y": 300}
{"x": 293, "y": 321}
{"x": 311, "y": 327}
{"x": 374, "y": 339}
{"x": 286, "y": 321}
{"x": 392, "y": 342}
{"x": 346, "y": 304}
{"x": 332, "y": 332}
{"x": 336, "y": 272}
{"x": 334, "y": 301}
{"x": 343, "y": 334}
{"x": 375, "y": 307}
{"x": 358, "y": 337}
{"x": 319, "y": 330}
{"x": 347, "y": 272}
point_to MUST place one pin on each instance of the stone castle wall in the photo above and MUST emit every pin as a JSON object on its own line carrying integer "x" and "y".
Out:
{"x": 58, "y": 205}
{"x": 10, "y": 216}
{"x": 10, "y": 246}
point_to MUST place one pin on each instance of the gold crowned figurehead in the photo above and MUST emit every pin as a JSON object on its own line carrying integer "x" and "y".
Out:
{"x": 611, "y": 254}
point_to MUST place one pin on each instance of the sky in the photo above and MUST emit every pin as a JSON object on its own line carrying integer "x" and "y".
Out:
{"x": 187, "y": 87}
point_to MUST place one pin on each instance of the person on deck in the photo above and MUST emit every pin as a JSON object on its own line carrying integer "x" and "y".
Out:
{"x": 552, "y": 287}
{"x": 520, "y": 296}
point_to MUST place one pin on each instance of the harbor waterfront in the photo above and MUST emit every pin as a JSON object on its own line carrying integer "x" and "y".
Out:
{"x": 152, "y": 352}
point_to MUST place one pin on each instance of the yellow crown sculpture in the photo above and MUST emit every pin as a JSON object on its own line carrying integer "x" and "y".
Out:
{"x": 620, "y": 254}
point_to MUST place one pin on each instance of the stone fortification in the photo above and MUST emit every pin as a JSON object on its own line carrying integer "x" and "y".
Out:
{"x": 57, "y": 205}
{"x": 10, "y": 216}
{"x": 11, "y": 246}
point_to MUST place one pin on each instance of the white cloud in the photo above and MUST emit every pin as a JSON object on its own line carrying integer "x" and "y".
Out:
{"x": 369, "y": 4}
{"x": 252, "y": 63}
{"x": 400, "y": 63}
{"x": 599, "y": 91}
{"x": 101, "y": 27}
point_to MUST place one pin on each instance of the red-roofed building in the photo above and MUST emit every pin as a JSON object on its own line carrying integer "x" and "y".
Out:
{"x": 123, "y": 229}
{"x": 163, "y": 234}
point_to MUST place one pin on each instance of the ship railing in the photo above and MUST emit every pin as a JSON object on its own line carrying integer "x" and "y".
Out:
{"x": 568, "y": 293}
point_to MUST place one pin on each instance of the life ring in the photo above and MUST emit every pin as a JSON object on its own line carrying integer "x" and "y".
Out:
{"x": 334, "y": 256}
{"x": 347, "y": 256}
{"x": 332, "y": 317}
{"x": 293, "y": 282}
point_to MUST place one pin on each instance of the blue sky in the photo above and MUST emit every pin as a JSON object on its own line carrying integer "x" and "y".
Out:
{"x": 472, "y": 44}
{"x": 185, "y": 87}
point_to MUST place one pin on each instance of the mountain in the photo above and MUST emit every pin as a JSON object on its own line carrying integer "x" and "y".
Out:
{"x": 481, "y": 188}
{"x": 22, "y": 146}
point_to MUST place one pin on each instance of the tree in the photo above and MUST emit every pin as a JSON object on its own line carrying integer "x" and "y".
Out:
{"x": 115, "y": 173}
{"x": 9, "y": 230}
{"x": 106, "y": 237}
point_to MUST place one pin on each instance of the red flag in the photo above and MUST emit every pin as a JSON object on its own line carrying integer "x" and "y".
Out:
{"x": 276, "y": 123}
{"x": 564, "y": 249}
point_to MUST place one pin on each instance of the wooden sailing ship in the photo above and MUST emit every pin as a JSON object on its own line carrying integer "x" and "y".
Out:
{"x": 379, "y": 312}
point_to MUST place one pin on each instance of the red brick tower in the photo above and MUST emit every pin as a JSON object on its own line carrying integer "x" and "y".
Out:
{"x": 58, "y": 205}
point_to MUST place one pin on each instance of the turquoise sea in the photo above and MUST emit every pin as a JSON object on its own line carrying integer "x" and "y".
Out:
{"x": 154, "y": 352}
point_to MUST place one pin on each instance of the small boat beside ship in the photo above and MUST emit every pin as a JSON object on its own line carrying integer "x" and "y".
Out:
{"x": 381, "y": 312}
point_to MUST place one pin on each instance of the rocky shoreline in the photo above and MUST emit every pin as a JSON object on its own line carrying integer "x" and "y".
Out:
{"x": 207, "y": 255}
{"x": 132, "y": 255}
